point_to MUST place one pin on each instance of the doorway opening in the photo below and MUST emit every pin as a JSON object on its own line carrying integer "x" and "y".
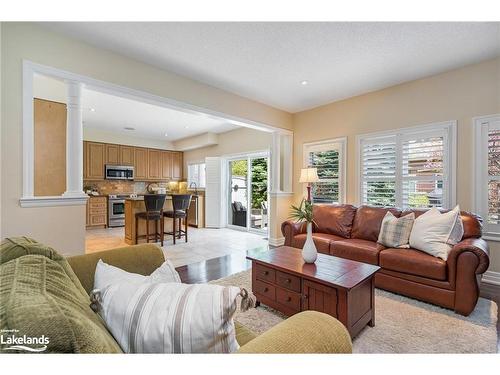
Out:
{"x": 248, "y": 193}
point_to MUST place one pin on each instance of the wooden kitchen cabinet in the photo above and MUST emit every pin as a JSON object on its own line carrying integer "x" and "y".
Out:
{"x": 149, "y": 164}
{"x": 176, "y": 165}
{"x": 166, "y": 165}
{"x": 154, "y": 170}
{"x": 112, "y": 154}
{"x": 97, "y": 212}
{"x": 141, "y": 164}
{"x": 95, "y": 160}
{"x": 127, "y": 156}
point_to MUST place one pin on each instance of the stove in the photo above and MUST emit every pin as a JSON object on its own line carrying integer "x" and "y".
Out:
{"x": 116, "y": 209}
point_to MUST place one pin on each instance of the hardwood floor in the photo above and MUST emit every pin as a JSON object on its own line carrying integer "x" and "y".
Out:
{"x": 217, "y": 268}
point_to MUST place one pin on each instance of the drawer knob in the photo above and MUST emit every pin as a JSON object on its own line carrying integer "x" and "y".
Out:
{"x": 266, "y": 273}
{"x": 289, "y": 299}
{"x": 288, "y": 281}
{"x": 266, "y": 289}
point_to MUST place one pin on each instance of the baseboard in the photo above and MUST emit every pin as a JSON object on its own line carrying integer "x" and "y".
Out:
{"x": 277, "y": 241}
{"x": 491, "y": 277}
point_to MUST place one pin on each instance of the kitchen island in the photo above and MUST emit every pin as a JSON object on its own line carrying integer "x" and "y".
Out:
{"x": 135, "y": 205}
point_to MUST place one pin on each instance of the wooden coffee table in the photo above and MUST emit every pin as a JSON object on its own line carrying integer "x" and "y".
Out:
{"x": 340, "y": 287}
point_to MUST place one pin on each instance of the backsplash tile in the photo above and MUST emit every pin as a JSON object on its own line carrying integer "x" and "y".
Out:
{"x": 116, "y": 186}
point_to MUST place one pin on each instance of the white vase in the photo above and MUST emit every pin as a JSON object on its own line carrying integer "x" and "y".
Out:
{"x": 309, "y": 252}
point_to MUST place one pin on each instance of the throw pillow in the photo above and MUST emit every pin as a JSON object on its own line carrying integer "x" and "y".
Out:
{"x": 435, "y": 233}
{"x": 171, "y": 317}
{"x": 106, "y": 274}
{"x": 394, "y": 231}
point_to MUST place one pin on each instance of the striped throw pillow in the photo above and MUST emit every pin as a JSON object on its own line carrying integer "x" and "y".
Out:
{"x": 170, "y": 317}
{"x": 394, "y": 231}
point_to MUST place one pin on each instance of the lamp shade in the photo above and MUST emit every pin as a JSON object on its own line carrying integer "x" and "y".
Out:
{"x": 309, "y": 175}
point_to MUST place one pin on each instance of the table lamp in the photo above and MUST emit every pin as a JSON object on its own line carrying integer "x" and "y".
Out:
{"x": 309, "y": 175}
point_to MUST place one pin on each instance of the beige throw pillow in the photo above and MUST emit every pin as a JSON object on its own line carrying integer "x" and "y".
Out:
{"x": 435, "y": 233}
{"x": 394, "y": 231}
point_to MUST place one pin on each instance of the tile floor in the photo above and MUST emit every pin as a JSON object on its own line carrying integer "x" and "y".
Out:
{"x": 203, "y": 243}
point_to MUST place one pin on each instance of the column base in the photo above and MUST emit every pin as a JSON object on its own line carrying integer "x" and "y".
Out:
{"x": 74, "y": 194}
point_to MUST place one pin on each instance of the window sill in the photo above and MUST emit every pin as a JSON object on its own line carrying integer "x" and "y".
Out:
{"x": 52, "y": 201}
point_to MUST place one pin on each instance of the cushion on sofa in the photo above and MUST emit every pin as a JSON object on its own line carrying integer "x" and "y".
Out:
{"x": 368, "y": 221}
{"x": 413, "y": 262}
{"x": 15, "y": 247}
{"x": 38, "y": 298}
{"x": 357, "y": 249}
{"x": 334, "y": 219}
{"x": 321, "y": 240}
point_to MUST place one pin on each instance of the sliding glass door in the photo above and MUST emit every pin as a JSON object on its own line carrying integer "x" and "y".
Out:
{"x": 248, "y": 192}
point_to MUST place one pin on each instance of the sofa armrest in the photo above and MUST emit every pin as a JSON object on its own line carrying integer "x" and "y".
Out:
{"x": 476, "y": 246}
{"x": 305, "y": 332}
{"x": 142, "y": 259}
{"x": 289, "y": 229}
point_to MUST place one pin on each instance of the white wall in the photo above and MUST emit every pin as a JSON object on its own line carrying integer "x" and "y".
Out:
{"x": 64, "y": 227}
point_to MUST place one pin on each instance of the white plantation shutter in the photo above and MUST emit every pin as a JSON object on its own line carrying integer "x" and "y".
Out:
{"x": 196, "y": 174}
{"x": 378, "y": 171}
{"x": 423, "y": 170}
{"x": 411, "y": 168}
{"x": 214, "y": 193}
{"x": 328, "y": 158}
{"x": 487, "y": 173}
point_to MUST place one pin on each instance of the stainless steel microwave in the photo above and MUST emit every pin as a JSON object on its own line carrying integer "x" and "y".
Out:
{"x": 119, "y": 172}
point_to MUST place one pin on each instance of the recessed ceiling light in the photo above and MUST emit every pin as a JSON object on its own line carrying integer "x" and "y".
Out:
{"x": 166, "y": 134}
{"x": 187, "y": 126}
{"x": 128, "y": 128}
{"x": 303, "y": 83}
{"x": 92, "y": 109}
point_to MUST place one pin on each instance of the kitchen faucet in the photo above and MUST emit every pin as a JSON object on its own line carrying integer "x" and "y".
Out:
{"x": 195, "y": 187}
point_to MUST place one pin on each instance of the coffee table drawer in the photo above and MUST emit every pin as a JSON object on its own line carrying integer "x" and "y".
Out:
{"x": 288, "y": 281}
{"x": 265, "y": 273}
{"x": 288, "y": 299}
{"x": 265, "y": 289}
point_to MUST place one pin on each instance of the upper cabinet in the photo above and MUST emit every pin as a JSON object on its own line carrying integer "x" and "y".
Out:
{"x": 176, "y": 165}
{"x": 127, "y": 155}
{"x": 112, "y": 154}
{"x": 154, "y": 164}
{"x": 141, "y": 164}
{"x": 95, "y": 160}
{"x": 149, "y": 164}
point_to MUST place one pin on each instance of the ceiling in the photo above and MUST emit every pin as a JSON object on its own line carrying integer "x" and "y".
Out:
{"x": 113, "y": 113}
{"x": 267, "y": 62}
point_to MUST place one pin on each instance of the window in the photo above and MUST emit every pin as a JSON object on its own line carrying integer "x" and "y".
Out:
{"x": 487, "y": 169}
{"x": 196, "y": 174}
{"x": 410, "y": 168}
{"x": 328, "y": 158}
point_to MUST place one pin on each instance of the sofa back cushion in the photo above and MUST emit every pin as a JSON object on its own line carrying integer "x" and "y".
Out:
{"x": 39, "y": 299}
{"x": 334, "y": 219}
{"x": 368, "y": 220}
{"x": 472, "y": 223}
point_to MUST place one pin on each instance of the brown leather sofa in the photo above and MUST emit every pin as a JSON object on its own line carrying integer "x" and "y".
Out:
{"x": 349, "y": 232}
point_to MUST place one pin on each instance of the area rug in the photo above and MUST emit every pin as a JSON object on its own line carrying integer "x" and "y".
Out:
{"x": 402, "y": 325}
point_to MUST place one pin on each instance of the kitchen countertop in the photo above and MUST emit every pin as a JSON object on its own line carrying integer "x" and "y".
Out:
{"x": 141, "y": 197}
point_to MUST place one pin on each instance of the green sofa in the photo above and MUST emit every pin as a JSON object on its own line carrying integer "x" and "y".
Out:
{"x": 46, "y": 296}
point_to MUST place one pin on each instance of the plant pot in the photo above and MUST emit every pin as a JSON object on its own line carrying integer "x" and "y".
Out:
{"x": 309, "y": 252}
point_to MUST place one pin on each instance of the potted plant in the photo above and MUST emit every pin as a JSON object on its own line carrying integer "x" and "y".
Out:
{"x": 304, "y": 213}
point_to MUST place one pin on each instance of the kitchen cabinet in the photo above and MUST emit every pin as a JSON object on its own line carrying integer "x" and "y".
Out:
{"x": 95, "y": 160}
{"x": 176, "y": 165}
{"x": 154, "y": 164}
{"x": 112, "y": 154}
{"x": 149, "y": 164}
{"x": 166, "y": 165}
{"x": 127, "y": 155}
{"x": 97, "y": 212}
{"x": 141, "y": 164}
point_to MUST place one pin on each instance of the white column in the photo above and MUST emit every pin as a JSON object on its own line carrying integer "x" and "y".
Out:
{"x": 276, "y": 163}
{"x": 74, "y": 141}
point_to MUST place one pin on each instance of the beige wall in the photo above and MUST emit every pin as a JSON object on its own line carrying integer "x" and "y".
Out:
{"x": 233, "y": 142}
{"x": 63, "y": 227}
{"x": 455, "y": 95}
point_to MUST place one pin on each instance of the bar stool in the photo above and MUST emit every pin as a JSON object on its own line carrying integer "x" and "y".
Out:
{"x": 180, "y": 204}
{"x": 154, "y": 211}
